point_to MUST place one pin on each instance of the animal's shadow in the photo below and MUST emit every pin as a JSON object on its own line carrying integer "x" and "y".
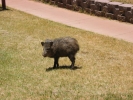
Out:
{"x": 63, "y": 67}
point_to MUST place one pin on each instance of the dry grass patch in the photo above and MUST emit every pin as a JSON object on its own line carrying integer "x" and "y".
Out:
{"x": 106, "y": 63}
{"x": 124, "y": 1}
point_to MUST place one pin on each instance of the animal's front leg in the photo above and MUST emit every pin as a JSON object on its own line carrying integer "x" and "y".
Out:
{"x": 56, "y": 64}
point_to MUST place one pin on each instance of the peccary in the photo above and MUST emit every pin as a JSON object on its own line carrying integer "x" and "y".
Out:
{"x": 60, "y": 47}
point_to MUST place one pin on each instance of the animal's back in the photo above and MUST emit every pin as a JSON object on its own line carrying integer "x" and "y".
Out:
{"x": 65, "y": 46}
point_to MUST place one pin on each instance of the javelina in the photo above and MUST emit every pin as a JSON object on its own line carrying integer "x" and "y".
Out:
{"x": 60, "y": 47}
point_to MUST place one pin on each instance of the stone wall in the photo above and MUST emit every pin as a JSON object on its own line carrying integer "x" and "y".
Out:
{"x": 105, "y": 8}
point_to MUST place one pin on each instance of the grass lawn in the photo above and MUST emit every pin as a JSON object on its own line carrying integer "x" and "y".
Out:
{"x": 124, "y": 1}
{"x": 105, "y": 64}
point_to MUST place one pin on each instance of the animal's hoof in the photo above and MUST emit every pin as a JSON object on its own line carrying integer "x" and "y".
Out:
{"x": 72, "y": 68}
{"x": 54, "y": 67}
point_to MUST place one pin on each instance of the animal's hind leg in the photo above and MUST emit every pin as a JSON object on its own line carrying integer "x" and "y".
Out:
{"x": 72, "y": 59}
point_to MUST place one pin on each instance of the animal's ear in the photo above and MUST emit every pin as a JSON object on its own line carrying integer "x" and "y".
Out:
{"x": 51, "y": 43}
{"x": 42, "y": 43}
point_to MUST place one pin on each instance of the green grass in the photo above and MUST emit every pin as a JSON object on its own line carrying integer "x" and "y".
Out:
{"x": 106, "y": 64}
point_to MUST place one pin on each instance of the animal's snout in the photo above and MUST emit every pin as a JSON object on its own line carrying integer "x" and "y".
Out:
{"x": 44, "y": 54}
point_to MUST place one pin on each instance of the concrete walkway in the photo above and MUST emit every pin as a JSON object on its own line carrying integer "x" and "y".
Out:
{"x": 99, "y": 25}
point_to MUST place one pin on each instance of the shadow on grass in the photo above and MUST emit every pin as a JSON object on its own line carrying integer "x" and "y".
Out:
{"x": 1, "y": 9}
{"x": 63, "y": 67}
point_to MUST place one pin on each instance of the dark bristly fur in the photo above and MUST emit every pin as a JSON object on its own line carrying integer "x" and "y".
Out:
{"x": 60, "y": 47}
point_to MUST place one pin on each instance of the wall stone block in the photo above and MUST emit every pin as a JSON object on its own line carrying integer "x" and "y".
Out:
{"x": 62, "y": 3}
{"x": 106, "y": 8}
{"x": 124, "y": 12}
{"x": 69, "y": 4}
{"x": 113, "y": 10}
{"x": 100, "y": 7}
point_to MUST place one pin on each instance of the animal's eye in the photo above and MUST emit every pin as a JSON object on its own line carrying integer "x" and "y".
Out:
{"x": 47, "y": 49}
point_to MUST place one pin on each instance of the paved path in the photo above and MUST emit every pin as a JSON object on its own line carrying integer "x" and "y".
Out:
{"x": 83, "y": 21}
